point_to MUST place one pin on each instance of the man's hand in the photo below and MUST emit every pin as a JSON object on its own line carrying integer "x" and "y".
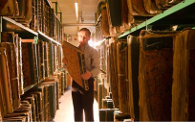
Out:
{"x": 86, "y": 75}
{"x": 64, "y": 60}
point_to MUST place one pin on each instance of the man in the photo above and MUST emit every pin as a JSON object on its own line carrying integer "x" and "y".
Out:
{"x": 83, "y": 100}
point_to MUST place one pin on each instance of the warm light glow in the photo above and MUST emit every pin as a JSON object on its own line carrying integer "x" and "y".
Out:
{"x": 76, "y": 10}
{"x": 99, "y": 43}
{"x": 90, "y": 42}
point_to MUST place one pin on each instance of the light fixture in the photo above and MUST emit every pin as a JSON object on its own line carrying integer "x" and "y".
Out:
{"x": 76, "y": 10}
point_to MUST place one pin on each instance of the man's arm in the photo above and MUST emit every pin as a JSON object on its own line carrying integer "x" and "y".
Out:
{"x": 95, "y": 64}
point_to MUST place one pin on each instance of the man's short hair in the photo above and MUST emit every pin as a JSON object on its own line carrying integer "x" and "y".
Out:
{"x": 86, "y": 30}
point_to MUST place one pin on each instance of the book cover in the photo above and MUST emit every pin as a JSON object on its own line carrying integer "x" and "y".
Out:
{"x": 11, "y": 56}
{"x": 8, "y": 8}
{"x": 76, "y": 63}
{"x": 6, "y": 80}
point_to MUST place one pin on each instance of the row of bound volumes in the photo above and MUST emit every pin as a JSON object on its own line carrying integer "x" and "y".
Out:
{"x": 152, "y": 68}
{"x": 23, "y": 68}
{"x": 24, "y": 53}
{"x": 130, "y": 13}
{"x": 48, "y": 59}
{"x": 39, "y": 104}
{"x": 35, "y": 14}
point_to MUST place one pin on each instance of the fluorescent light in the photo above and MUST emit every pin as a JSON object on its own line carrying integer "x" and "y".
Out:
{"x": 76, "y": 10}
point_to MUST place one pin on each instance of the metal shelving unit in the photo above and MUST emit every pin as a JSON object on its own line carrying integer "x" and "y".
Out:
{"x": 181, "y": 14}
{"x": 10, "y": 25}
{"x": 28, "y": 35}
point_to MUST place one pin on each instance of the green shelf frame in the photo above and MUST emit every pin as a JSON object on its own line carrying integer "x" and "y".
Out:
{"x": 179, "y": 14}
{"x": 47, "y": 38}
{"x": 9, "y": 24}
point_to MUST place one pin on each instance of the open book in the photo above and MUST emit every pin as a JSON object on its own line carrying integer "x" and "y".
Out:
{"x": 76, "y": 63}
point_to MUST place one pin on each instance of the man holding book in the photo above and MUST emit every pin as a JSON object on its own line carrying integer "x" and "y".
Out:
{"x": 83, "y": 100}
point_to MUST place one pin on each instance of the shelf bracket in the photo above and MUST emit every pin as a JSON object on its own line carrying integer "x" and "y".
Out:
{"x": 60, "y": 16}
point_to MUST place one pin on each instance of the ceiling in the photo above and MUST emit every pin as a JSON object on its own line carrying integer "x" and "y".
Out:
{"x": 87, "y": 10}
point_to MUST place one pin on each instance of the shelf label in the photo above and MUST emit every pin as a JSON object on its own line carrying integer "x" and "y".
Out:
{"x": 35, "y": 39}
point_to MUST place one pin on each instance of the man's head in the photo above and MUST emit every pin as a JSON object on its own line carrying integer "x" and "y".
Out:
{"x": 84, "y": 36}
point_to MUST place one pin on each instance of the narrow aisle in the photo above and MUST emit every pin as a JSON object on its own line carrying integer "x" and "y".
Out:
{"x": 65, "y": 111}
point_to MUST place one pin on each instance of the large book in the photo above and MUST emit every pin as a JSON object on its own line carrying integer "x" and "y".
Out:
{"x": 11, "y": 56}
{"x": 76, "y": 63}
{"x": 8, "y": 8}
{"x": 5, "y": 82}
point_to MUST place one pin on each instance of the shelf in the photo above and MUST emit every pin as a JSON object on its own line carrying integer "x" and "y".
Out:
{"x": 46, "y": 38}
{"x": 180, "y": 14}
{"x": 9, "y": 24}
{"x": 29, "y": 87}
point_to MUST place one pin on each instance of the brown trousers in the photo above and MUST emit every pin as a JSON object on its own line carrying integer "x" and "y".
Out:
{"x": 83, "y": 100}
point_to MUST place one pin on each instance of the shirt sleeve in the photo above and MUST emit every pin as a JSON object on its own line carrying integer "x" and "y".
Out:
{"x": 95, "y": 63}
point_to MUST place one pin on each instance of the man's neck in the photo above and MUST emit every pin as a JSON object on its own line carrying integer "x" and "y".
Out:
{"x": 81, "y": 46}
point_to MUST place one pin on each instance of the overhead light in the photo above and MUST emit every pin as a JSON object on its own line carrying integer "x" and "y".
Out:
{"x": 76, "y": 10}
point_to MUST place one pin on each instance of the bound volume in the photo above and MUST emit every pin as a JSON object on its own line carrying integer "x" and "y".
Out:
{"x": 76, "y": 63}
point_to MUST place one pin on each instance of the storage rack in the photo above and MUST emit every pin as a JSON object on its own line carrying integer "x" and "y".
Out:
{"x": 9, "y": 25}
{"x": 180, "y": 14}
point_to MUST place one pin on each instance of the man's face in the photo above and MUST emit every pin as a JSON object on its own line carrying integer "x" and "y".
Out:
{"x": 83, "y": 37}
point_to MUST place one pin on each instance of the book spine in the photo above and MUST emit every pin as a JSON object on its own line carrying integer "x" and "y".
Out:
{"x": 42, "y": 59}
{"x": 46, "y": 59}
{"x": 21, "y": 77}
{"x": 2, "y": 98}
{"x": 6, "y": 79}
{"x": 83, "y": 70}
{"x": 13, "y": 73}
{"x": 39, "y": 51}
{"x": 34, "y": 63}
{"x": 26, "y": 68}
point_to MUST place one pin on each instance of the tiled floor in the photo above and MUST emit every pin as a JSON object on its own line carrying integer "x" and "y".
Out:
{"x": 65, "y": 112}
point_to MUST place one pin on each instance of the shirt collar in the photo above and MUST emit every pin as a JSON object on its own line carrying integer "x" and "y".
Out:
{"x": 85, "y": 47}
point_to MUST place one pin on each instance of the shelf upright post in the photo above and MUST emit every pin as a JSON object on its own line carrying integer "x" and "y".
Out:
{"x": 60, "y": 16}
{"x": 56, "y": 7}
